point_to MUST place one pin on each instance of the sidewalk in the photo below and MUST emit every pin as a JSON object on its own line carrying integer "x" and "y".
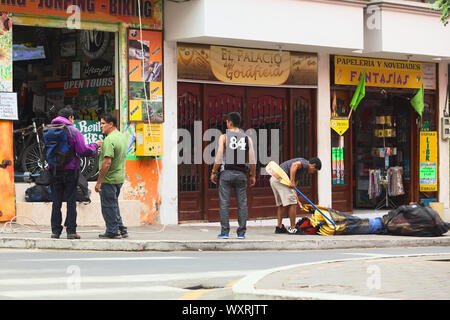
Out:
{"x": 203, "y": 236}
{"x": 414, "y": 277}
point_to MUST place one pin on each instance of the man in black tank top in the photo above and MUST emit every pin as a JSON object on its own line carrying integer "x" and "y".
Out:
{"x": 234, "y": 154}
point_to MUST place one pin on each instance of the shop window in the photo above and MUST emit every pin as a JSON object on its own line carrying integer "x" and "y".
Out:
{"x": 55, "y": 68}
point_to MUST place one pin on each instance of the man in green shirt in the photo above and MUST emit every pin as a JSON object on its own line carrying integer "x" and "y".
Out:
{"x": 111, "y": 177}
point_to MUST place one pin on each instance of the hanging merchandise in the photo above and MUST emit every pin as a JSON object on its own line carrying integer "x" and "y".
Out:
{"x": 395, "y": 181}
{"x": 375, "y": 182}
{"x": 337, "y": 160}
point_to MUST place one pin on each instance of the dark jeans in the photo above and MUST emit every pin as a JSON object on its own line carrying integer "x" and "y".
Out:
{"x": 229, "y": 180}
{"x": 109, "y": 195}
{"x": 64, "y": 188}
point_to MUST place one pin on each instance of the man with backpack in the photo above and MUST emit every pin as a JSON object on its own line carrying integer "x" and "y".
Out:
{"x": 64, "y": 144}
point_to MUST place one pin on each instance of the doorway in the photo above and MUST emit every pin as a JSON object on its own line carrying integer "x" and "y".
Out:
{"x": 383, "y": 151}
{"x": 283, "y": 121}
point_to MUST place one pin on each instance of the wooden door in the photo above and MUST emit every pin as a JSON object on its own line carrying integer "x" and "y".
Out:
{"x": 7, "y": 198}
{"x": 190, "y": 171}
{"x": 267, "y": 115}
{"x": 303, "y": 139}
{"x": 281, "y": 132}
{"x": 219, "y": 101}
{"x": 342, "y": 194}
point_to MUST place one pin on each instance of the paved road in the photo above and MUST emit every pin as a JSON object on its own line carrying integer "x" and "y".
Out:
{"x": 40, "y": 274}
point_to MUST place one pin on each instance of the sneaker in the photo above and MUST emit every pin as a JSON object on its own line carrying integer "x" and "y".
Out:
{"x": 241, "y": 236}
{"x": 110, "y": 235}
{"x": 281, "y": 230}
{"x": 123, "y": 232}
{"x": 73, "y": 236}
{"x": 292, "y": 230}
{"x": 223, "y": 236}
{"x": 55, "y": 235}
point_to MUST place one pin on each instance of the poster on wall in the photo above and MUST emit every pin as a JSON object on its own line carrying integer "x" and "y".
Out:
{"x": 428, "y": 161}
{"x": 6, "y": 52}
{"x": 145, "y": 83}
{"x": 8, "y": 106}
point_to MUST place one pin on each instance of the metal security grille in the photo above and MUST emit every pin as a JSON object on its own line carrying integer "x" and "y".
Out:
{"x": 301, "y": 128}
{"x": 266, "y": 113}
{"x": 218, "y": 108}
{"x": 188, "y": 113}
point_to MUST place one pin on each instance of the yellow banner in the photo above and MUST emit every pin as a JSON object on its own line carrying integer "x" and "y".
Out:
{"x": 379, "y": 72}
{"x": 339, "y": 125}
{"x": 250, "y": 66}
{"x": 428, "y": 161}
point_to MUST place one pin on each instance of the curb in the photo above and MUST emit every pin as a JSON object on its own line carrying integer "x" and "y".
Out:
{"x": 310, "y": 243}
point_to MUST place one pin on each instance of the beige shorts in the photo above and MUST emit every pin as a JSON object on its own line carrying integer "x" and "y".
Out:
{"x": 284, "y": 195}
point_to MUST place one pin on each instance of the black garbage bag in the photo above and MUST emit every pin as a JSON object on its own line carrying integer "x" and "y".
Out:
{"x": 414, "y": 220}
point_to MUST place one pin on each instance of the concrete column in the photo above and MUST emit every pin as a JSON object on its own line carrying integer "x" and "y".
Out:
{"x": 443, "y": 144}
{"x": 323, "y": 130}
{"x": 168, "y": 186}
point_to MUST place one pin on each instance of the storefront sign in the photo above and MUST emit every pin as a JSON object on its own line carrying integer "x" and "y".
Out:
{"x": 126, "y": 11}
{"x": 340, "y": 125}
{"x": 90, "y": 129}
{"x": 428, "y": 161}
{"x": 246, "y": 66}
{"x": 8, "y": 106}
{"x": 145, "y": 70}
{"x": 89, "y": 83}
{"x": 381, "y": 73}
{"x": 250, "y": 66}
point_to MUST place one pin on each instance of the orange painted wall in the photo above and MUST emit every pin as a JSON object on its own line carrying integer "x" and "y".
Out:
{"x": 7, "y": 201}
{"x": 141, "y": 183}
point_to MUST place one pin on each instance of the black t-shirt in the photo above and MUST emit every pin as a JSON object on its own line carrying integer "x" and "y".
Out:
{"x": 236, "y": 151}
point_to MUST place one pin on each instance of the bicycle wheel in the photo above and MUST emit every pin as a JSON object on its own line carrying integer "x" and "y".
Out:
{"x": 89, "y": 169}
{"x": 31, "y": 159}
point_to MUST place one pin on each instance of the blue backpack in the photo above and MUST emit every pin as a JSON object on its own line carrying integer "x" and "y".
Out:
{"x": 58, "y": 152}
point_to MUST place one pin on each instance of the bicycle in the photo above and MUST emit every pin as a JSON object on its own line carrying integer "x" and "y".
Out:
{"x": 28, "y": 149}
{"x": 29, "y": 153}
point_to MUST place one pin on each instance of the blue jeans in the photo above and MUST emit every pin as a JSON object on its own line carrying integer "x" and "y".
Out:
{"x": 64, "y": 188}
{"x": 229, "y": 180}
{"x": 109, "y": 198}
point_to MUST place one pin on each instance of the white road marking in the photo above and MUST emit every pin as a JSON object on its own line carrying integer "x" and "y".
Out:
{"x": 126, "y": 278}
{"x": 105, "y": 259}
{"x": 64, "y": 293}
